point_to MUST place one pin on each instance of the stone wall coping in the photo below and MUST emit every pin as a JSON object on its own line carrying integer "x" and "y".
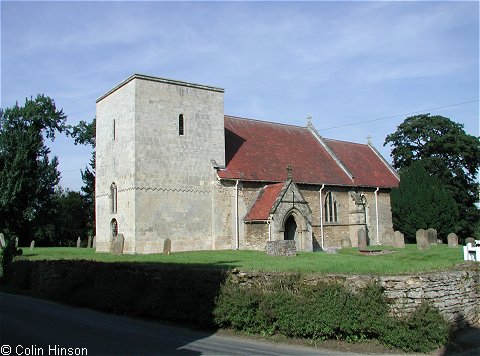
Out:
{"x": 160, "y": 80}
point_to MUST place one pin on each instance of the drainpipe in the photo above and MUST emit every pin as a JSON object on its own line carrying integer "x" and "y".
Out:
{"x": 237, "y": 239}
{"x": 321, "y": 215}
{"x": 376, "y": 213}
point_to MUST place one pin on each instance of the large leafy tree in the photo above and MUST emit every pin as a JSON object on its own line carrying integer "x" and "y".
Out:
{"x": 422, "y": 202}
{"x": 448, "y": 153}
{"x": 27, "y": 175}
{"x": 84, "y": 134}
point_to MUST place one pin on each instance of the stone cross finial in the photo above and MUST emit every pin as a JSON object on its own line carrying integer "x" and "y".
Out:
{"x": 289, "y": 171}
{"x": 309, "y": 120}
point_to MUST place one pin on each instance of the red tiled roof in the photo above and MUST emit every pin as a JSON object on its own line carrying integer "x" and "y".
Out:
{"x": 367, "y": 168}
{"x": 261, "y": 151}
{"x": 264, "y": 203}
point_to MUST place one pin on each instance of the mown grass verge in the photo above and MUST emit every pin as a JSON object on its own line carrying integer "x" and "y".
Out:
{"x": 349, "y": 261}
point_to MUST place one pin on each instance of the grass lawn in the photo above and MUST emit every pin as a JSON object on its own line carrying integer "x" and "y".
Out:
{"x": 405, "y": 260}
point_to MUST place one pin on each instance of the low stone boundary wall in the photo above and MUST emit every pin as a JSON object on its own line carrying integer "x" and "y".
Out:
{"x": 187, "y": 293}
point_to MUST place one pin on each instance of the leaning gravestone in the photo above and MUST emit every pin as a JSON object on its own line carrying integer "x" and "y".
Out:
{"x": 79, "y": 242}
{"x": 16, "y": 242}
{"x": 346, "y": 242}
{"x": 362, "y": 239}
{"x": 388, "y": 238}
{"x": 470, "y": 240}
{"x": 118, "y": 242}
{"x": 432, "y": 236}
{"x": 167, "y": 246}
{"x": 89, "y": 242}
{"x": 32, "y": 245}
{"x": 422, "y": 241}
{"x": 2, "y": 241}
{"x": 452, "y": 240}
{"x": 94, "y": 242}
{"x": 398, "y": 240}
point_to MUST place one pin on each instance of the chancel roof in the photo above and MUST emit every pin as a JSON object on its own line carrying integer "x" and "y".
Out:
{"x": 260, "y": 151}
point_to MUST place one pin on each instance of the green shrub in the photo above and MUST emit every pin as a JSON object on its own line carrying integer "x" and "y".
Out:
{"x": 422, "y": 331}
{"x": 327, "y": 311}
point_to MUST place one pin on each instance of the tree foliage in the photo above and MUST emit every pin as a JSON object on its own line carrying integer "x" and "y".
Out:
{"x": 84, "y": 134}
{"x": 448, "y": 153}
{"x": 27, "y": 175}
{"x": 422, "y": 202}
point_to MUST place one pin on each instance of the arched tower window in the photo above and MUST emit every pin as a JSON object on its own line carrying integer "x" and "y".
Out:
{"x": 331, "y": 208}
{"x": 181, "y": 125}
{"x": 114, "y": 227}
{"x": 113, "y": 198}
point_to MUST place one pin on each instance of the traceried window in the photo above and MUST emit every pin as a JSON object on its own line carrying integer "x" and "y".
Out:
{"x": 114, "y": 227}
{"x": 331, "y": 208}
{"x": 113, "y": 198}
{"x": 181, "y": 125}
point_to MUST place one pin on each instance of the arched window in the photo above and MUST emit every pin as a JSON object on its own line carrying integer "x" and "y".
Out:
{"x": 114, "y": 130}
{"x": 113, "y": 198}
{"x": 181, "y": 125}
{"x": 331, "y": 208}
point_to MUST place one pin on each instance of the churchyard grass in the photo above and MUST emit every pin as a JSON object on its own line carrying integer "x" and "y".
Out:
{"x": 348, "y": 261}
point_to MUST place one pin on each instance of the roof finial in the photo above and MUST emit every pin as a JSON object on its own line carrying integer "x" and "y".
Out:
{"x": 309, "y": 120}
{"x": 369, "y": 139}
{"x": 289, "y": 171}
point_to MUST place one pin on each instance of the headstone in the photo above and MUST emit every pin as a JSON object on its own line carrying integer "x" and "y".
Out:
{"x": 118, "y": 242}
{"x": 2, "y": 241}
{"x": 362, "y": 239}
{"x": 16, "y": 242}
{"x": 32, "y": 245}
{"x": 89, "y": 242}
{"x": 398, "y": 239}
{"x": 452, "y": 240}
{"x": 432, "y": 236}
{"x": 167, "y": 246}
{"x": 284, "y": 248}
{"x": 346, "y": 242}
{"x": 422, "y": 241}
{"x": 79, "y": 242}
{"x": 470, "y": 240}
{"x": 388, "y": 238}
{"x": 94, "y": 242}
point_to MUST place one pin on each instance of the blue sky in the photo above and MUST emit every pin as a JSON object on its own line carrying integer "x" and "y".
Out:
{"x": 340, "y": 62}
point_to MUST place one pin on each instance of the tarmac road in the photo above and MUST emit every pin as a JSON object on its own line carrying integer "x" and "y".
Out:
{"x": 34, "y": 327}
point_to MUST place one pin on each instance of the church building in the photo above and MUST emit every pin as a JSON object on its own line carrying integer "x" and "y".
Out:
{"x": 171, "y": 165}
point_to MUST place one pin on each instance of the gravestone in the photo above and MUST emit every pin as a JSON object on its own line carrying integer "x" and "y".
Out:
{"x": 470, "y": 240}
{"x": 388, "y": 237}
{"x": 94, "y": 242}
{"x": 432, "y": 236}
{"x": 167, "y": 246}
{"x": 79, "y": 242}
{"x": 346, "y": 242}
{"x": 362, "y": 239}
{"x": 422, "y": 240}
{"x": 398, "y": 239}
{"x": 89, "y": 242}
{"x": 32, "y": 245}
{"x": 2, "y": 241}
{"x": 452, "y": 240}
{"x": 16, "y": 242}
{"x": 284, "y": 248}
{"x": 118, "y": 242}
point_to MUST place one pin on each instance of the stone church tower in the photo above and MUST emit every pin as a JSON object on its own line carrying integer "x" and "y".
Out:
{"x": 157, "y": 140}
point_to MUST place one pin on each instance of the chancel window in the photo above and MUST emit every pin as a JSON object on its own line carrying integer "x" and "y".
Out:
{"x": 331, "y": 208}
{"x": 114, "y": 227}
{"x": 113, "y": 198}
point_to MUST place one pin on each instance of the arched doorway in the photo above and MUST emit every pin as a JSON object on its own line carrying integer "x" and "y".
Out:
{"x": 290, "y": 228}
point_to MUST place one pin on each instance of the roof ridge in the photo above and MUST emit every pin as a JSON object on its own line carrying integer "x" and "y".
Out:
{"x": 264, "y": 122}
{"x": 350, "y": 142}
